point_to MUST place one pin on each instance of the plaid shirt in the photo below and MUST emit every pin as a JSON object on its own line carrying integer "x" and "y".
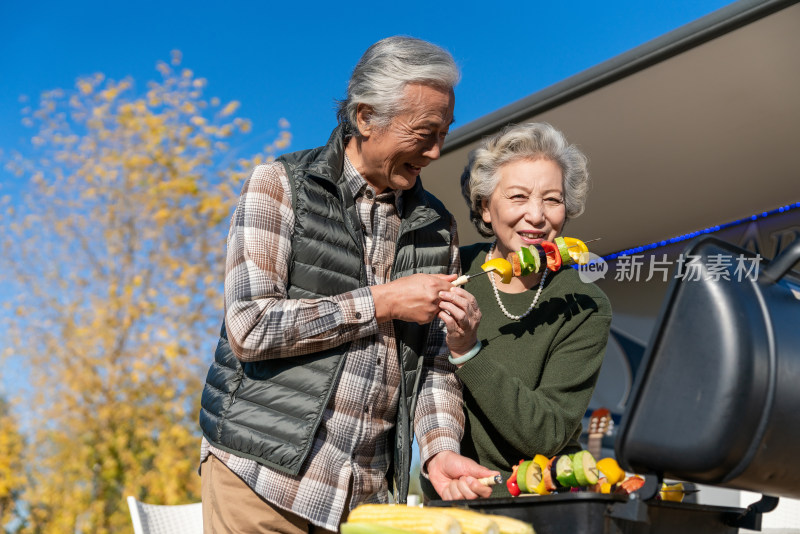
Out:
{"x": 352, "y": 442}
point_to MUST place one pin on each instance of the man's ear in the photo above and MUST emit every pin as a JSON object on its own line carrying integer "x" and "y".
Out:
{"x": 364, "y": 117}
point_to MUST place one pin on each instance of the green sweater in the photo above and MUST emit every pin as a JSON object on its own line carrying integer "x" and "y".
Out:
{"x": 529, "y": 387}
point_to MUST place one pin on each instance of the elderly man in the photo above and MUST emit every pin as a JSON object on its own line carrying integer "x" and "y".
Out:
{"x": 331, "y": 343}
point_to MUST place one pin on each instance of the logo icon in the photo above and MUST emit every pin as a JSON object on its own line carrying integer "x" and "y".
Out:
{"x": 594, "y": 269}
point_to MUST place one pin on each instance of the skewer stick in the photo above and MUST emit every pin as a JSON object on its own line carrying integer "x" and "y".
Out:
{"x": 491, "y": 481}
{"x": 573, "y": 246}
{"x": 464, "y": 278}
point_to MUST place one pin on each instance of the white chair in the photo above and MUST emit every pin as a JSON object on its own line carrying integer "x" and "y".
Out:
{"x": 158, "y": 519}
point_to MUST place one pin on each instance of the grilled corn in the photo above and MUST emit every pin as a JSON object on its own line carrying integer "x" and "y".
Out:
{"x": 509, "y": 525}
{"x": 472, "y": 522}
{"x": 371, "y": 528}
{"x": 420, "y": 520}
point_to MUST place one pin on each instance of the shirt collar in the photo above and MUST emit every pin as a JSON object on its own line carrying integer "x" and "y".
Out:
{"x": 357, "y": 186}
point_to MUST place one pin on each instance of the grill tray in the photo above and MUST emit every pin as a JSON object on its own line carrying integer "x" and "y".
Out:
{"x": 595, "y": 513}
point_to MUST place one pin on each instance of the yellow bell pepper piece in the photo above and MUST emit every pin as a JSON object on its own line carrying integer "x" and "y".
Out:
{"x": 611, "y": 470}
{"x": 672, "y": 492}
{"x": 578, "y": 250}
{"x": 542, "y": 461}
{"x": 501, "y": 266}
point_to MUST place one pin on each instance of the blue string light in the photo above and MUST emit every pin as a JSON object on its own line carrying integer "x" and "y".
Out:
{"x": 684, "y": 237}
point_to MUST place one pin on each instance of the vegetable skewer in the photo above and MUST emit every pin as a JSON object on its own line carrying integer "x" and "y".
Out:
{"x": 504, "y": 269}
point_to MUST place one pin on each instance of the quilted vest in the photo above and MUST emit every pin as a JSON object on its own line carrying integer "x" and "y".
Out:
{"x": 269, "y": 411}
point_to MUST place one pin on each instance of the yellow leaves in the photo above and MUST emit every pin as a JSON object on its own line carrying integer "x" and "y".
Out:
{"x": 214, "y": 208}
{"x": 188, "y": 108}
{"x": 137, "y": 161}
{"x": 179, "y": 186}
{"x": 199, "y": 142}
{"x": 99, "y": 112}
{"x": 162, "y": 215}
{"x": 283, "y": 141}
{"x": 163, "y": 68}
{"x": 175, "y": 57}
{"x": 225, "y": 131}
{"x": 154, "y": 122}
{"x": 171, "y": 351}
{"x": 11, "y": 447}
{"x": 85, "y": 87}
{"x": 229, "y": 109}
{"x": 113, "y": 91}
{"x": 12, "y": 471}
{"x": 244, "y": 125}
{"x": 82, "y": 332}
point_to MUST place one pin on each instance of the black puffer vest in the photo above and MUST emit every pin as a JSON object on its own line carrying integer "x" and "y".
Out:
{"x": 270, "y": 410}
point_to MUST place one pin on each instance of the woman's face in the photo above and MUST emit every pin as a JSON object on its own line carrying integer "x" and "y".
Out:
{"x": 527, "y": 206}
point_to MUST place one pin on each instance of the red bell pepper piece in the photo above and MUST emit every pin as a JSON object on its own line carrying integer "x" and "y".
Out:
{"x": 513, "y": 487}
{"x": 553, "y": 255}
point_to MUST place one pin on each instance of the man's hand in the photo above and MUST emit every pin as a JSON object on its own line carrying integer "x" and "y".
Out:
{"x": 456, "y": 477}
{"x": 412, "y": 298}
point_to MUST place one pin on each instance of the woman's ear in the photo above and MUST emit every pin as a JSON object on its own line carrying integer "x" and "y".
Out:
{"x": 485, "y": 215}
{"x": 364, "y": 118}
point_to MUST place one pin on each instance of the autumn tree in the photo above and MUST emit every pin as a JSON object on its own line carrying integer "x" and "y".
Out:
{"x": 116, "y": 260}
{"x": 12, "y": 476}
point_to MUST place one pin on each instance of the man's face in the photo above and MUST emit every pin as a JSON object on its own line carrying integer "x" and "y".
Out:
{"x": 392, "y": 156}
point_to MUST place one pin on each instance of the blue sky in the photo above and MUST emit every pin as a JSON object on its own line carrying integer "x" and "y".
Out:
{"x": 292, "y": 60}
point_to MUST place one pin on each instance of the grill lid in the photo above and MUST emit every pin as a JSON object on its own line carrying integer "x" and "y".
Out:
{"x": 717, "y": 397}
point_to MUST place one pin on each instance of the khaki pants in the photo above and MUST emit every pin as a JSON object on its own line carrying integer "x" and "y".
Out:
{"x": 231, "y": 507}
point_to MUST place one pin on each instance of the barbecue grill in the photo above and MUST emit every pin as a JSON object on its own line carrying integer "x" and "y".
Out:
{"x": 716, "y": 401}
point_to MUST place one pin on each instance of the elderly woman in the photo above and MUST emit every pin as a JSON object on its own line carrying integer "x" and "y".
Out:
{"x": 542, "y": 336}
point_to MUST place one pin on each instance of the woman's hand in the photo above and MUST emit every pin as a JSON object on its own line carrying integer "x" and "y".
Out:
{"x": 461, "y": 315}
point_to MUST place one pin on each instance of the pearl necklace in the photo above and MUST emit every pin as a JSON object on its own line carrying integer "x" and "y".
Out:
{"x": 497, "y": 293}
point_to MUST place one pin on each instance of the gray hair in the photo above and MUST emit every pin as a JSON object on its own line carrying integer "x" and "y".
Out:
{"x": 535, "y": 140}
{"x": 380, "y": 77}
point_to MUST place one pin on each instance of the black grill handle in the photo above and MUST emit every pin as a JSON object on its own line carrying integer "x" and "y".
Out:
{"x": 783, "y": 262}
{"x": 751, "y": 518}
